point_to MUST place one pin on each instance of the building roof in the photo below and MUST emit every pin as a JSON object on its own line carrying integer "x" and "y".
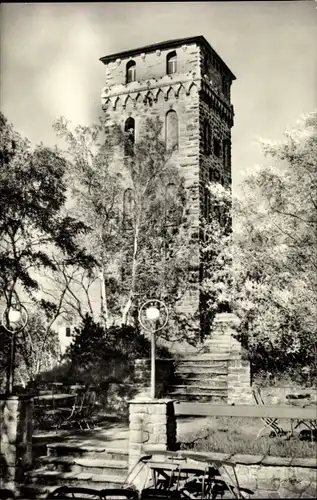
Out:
{"x": 200, "y": 40}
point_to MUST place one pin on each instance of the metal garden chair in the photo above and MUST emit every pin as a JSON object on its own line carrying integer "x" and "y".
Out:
{"x": 81, "y": 412}
{"x": 269, "y": 423}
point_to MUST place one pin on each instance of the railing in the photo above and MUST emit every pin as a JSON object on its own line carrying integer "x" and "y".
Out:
{"x": 248, "y": 411}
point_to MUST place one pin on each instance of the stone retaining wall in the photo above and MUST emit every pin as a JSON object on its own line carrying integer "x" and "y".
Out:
{"x": 153, "y": 426}
{"x": 274, "y": 477}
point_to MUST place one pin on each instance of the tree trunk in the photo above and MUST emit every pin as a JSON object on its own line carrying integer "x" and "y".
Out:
{"x": 103, "y": 298}
{"x": 127, "y": 307}
{"x": 21, "y": 379}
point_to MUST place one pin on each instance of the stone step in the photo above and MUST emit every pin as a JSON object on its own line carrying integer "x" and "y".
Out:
{"x": 201, "y": 398}
{"x": 191, "y": 368}
{"x": 225, "y": 351}
{"x": 199, "y": 390}
{"x": 215, "y": 344}
{"x": 219, "y": 349}
{"x": 210, "y": 357}
{"x": 73, "y": 464}
{"x": 211, "y": 383}
{"x": 79, "y": 450}
{"x": 214, "y": 369}
{"x": 201, "y": 362}
{"x": 219, "y": 339}
{"x": 83, "y": 479}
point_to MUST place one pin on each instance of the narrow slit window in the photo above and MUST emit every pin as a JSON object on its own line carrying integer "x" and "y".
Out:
{"x": 171, "y": 208}
{"x": 129, "y": 129}
{"x": 171, "y": 130}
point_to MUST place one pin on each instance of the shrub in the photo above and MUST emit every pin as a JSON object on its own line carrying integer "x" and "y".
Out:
{"x": 99, "y": 355}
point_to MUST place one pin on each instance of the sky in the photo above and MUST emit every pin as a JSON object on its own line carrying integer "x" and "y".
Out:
{"x": 50, "y": 61}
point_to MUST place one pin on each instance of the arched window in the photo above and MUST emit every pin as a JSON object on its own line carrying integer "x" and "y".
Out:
{"x": 171, "y": 130}
{"x": 129, "y": 128}
{"x": 172, "y": 214}
{"x": 130, "y": 72}
{"x": 128, "y": 203}
{"x": 171, "y": 63}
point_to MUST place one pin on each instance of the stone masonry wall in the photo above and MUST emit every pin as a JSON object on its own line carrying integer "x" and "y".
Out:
{"x": 154, "y": 103}
{"x": 152, "y": 424}
{"x": 153, "y": 429}
{"x": 211, "y": 166}
{"x": 152, "y": 65}
{"x": 274, "y": 477}
{"x": 178, "y": 92}
{"x": 16, "y": 439}
{"x": 239, "y": 382}
{"x": 195, "y": 92}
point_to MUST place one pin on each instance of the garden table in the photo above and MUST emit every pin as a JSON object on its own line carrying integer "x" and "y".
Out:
{"x": 55, "y": 397}
{"x": 303, "y": 402}
{"x": 47, "y": 410}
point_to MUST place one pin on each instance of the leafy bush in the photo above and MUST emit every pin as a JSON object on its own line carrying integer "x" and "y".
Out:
{"x": 99, "y": 356}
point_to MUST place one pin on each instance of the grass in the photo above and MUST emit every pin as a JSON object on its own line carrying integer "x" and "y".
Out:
{"x": 238, "y": 435}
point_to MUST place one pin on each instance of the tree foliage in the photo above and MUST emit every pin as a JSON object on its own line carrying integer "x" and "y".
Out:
{"x": 36, "y": 236}
{"x": 135, "y": 205}
{"x": 267, "y": 271}
{"x": 33, "y": 223}
{"x": 37, "y": 350}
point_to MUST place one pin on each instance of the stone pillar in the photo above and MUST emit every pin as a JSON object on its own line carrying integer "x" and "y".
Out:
{"x": 152, "y": 426}
{"x": 16, "y": 413}
{"x": 223, "y": 341}
{"x": 239, "y": 382}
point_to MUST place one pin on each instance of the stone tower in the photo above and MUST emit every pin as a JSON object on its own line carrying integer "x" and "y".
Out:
{"x": 187, "y": 84}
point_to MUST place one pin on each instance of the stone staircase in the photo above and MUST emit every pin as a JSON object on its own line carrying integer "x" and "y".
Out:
{"x": 201, "y": 378}
{"x": 207, "y": 376}
{"x": 64, "y": 464}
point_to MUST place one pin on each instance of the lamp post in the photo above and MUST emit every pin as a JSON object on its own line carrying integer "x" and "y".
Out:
{"x": 150, "y": 313}
{"x": 14, "y": 320}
